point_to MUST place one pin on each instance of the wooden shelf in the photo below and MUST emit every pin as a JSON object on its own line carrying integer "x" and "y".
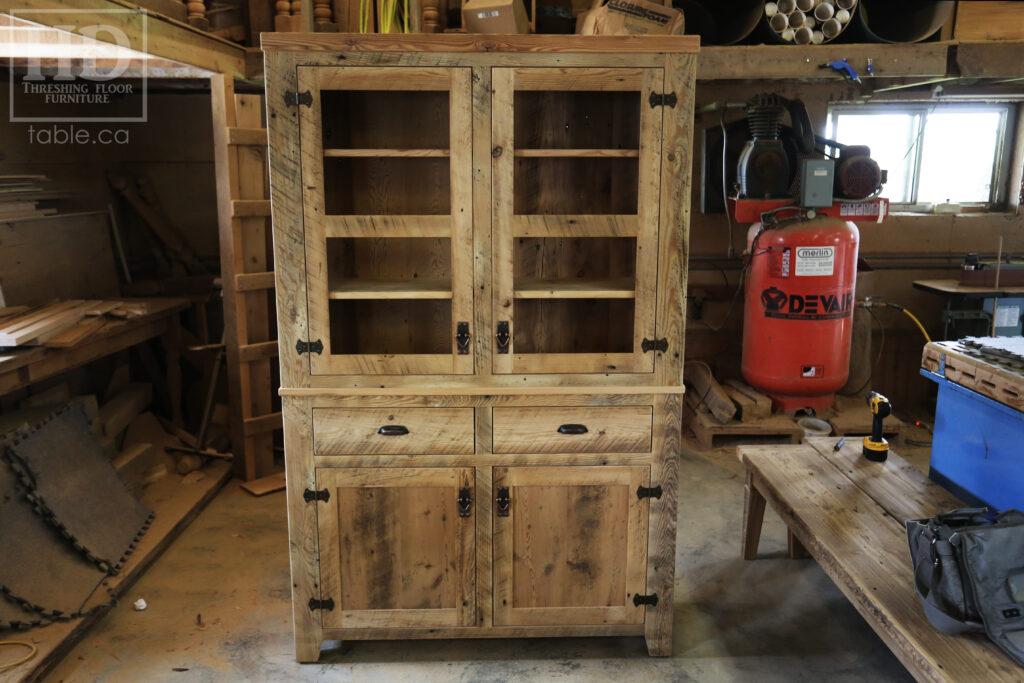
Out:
{"x": 606, "y": 153}
{"x": 611, "y": 288}
{"x": 334, "y": 152}
{"x": 391, "y": 289}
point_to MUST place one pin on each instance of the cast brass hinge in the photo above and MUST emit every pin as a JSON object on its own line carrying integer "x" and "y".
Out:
{"x": 316, "y": 347}
{"x": 651, "y": 599}
{"x": 664, "y": 99}
{"x": 654, "y": 345}
{"x": 310, "y": 495}
{"x": 327, "y": 604}
{"x": 644, "y": 492}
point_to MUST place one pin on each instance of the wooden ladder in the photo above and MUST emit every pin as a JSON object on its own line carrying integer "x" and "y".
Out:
{"x": 247, "y": 274}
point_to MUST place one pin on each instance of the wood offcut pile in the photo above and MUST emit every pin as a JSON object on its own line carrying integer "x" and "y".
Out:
{"x": 28, "y": 196}
{"x": 732, "y": 409}
{"x": 62, "y": 324}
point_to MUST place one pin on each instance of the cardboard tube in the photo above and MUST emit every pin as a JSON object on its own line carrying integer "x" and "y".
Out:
{"x": 803, "y": 36}
{"x": 831, "y": 28}
{"x": 805, "y": 5}
{"x": 797, "y": 19}
{"x": 786, "y": 6}
{"x": 779, "y": 23}
{"x": 824, "y": 11}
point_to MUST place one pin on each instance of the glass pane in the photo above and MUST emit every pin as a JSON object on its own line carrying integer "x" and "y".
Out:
{"x": 577, "y": 120}
{"x": 891, "y": 138}
{"x": 958, "y": 155}
{"x": 574, "y": 185}
{"x": 573, "y": 326}
{"x": 372, "y": 262}
{"x": 375, "y": 119}
{"x": 387, "y": 185}
{"x": 391, "y": 326}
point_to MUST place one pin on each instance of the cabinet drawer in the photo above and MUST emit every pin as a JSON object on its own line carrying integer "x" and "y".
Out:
{"x": 615, "y": 429}
{"x": 393, "y": 431}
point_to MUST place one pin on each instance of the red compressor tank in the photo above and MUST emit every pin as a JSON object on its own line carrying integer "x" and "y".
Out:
{"x": 798, "y": 316}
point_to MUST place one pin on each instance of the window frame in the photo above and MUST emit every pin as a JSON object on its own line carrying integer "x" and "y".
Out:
{"x": 920, "y": 111}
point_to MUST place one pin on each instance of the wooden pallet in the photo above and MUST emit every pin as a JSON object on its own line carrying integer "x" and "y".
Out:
{"x": 707, "y": 430}
{"x": 1000, "y": 381}
{"x": 243, "y": 216}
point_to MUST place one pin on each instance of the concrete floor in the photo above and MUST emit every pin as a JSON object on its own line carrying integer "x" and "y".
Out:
{"x": 774, "y": 619}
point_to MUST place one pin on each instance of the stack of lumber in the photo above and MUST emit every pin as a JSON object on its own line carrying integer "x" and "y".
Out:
{"x": 20, "y": 197}
{"x": 62, "y": 324}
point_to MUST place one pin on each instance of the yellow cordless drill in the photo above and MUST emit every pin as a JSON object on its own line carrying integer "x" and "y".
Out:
{"x": 876, "y": 448}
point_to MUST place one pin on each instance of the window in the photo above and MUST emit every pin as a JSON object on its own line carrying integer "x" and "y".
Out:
{"x": 934, "y": 153}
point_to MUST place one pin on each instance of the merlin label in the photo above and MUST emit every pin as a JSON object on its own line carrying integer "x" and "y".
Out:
{"x": 814, "y": 261}
{"x": 778, "y": 304}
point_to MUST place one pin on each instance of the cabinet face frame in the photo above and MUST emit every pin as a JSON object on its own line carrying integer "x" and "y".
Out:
{"x": 457, "y": 226}
{"x": 506, "y": 558}
{"x": 507, "y": 226}
{"x": 462, "y": 558}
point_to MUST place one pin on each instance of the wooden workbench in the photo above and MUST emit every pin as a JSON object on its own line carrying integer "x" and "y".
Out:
{"x": 848, "y": 513}
{"x": 24, "y": 366}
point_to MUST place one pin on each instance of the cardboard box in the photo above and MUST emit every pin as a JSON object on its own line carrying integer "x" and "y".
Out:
{"x": 630, "y": 18}
{"x": 495, "y": 16}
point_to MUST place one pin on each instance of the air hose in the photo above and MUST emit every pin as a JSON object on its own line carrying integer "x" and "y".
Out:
{"x": 875, "y": 302}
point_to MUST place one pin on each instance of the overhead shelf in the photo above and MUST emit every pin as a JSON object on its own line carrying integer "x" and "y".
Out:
{"x": 553, "y": 152}
{"x": 613, "y": 288}
{"x": 390, "y": 289}
{"x": 336, "y": 152}
{"x": 776, "y": 62}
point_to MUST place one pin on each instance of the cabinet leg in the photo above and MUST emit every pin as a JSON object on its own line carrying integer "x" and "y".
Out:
{"x": 307, "y": 647}
{"x": 659, "y": 644}
{"x": 753, "y": 516}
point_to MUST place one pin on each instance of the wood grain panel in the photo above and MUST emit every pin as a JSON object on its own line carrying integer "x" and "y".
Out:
{"x": 571, "y": 550}
{"x": 624, "y": 429}
{"x": 394, "y": 550}
{"x": 342, "y": 431}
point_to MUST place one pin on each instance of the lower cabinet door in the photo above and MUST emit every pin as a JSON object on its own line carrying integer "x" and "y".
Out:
{"x": 396, "y": 546}
{"x": 570, "y": 545}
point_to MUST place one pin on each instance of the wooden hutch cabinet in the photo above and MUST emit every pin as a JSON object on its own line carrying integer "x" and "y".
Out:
{"x": 481, "y": 247}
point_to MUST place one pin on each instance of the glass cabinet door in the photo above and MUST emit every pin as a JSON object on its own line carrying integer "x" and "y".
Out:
{"x": 575, "y": 188}
{"x": 387, "y": 175}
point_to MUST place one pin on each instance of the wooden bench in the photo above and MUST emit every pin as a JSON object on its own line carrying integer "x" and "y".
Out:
{"x": 848, "y": 513}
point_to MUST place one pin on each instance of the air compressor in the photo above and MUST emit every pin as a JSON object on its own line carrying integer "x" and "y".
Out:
{"x": 802, "y": 248}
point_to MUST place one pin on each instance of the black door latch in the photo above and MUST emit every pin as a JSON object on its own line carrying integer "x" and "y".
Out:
{"x": 462, "y": 338}
{"x": 465, "y": 501}
{"x": 503, "y": 502}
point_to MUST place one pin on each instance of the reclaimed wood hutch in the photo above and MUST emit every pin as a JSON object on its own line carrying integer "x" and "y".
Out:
{"x": 481, "y": 247}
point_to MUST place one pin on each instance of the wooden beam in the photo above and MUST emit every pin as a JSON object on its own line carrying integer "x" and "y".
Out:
{"x": 246, "y": 208}
{"x": 247, "y": 282}
{"x": 990, "y": 59}
{"x": 146, "y": 32}
{"x": 803, "y": 62}
{"x": 260, "y": 351}
{"x": 263, "y": 423}
{"x": 247, "y": 136}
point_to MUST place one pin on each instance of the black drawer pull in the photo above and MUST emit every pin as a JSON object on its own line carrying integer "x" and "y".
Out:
{"x": 393, "y": 430}
{"x": 572, "y": 429}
